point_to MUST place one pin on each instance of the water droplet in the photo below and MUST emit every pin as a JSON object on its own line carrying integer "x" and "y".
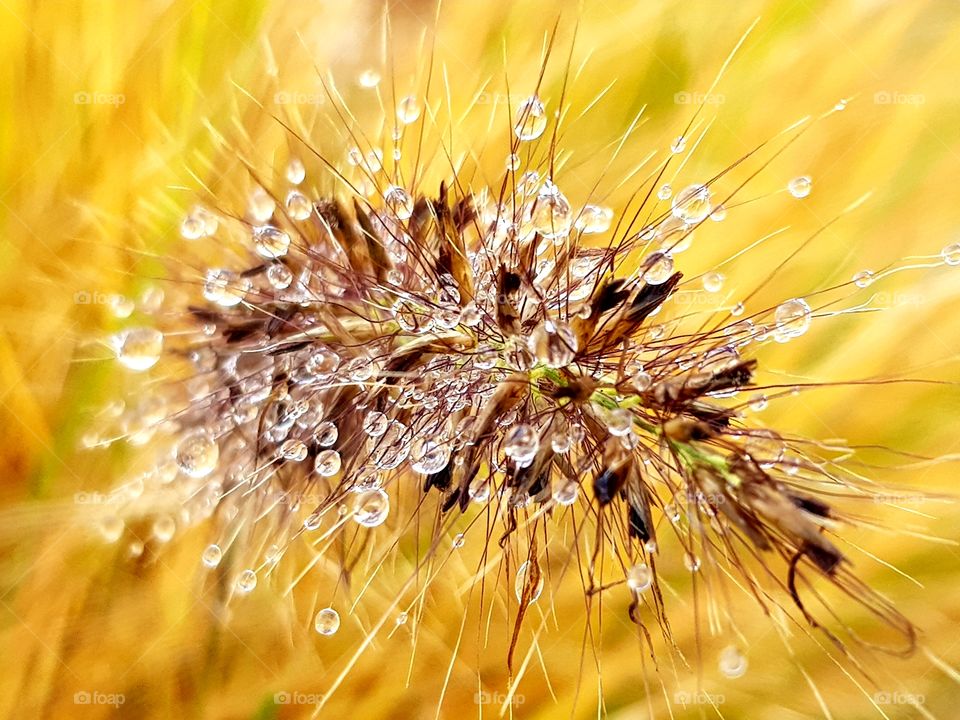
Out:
{"x": 327, "y": 463}
{"x": 513, "y": 162}
{"x": 138, "y": 348}
{"x": 713, "y": 282}
{"x": 665, "y": 192}
{"x": 951, "y": 254}
{"x": 402, "y": 618}
{"x": 521, "y": 582}
{"x": 692, "y": 204}
{"x": 197, "y": 454}
{"x": 292, "y": 449}
{"x": 678, "y": 145}
{"x": 375, "y": 423}
{"x": 369, "y": 79}
{"x": 371, "y": 508}
{"x": 619, "y": 422}
{"x": 279, "y": 276}
{"x": 639, "y": 578}
{"x": 554, "y": 343}
{"x": 296, "y": 172}
{"x": 326, "y": 434}
{"x": 261, "y": 205}
{"x": 247, "y": 581}
{"x": 111, "y": 528}
{"x": 163, "y": 528}
{"x": 531, "y": 119}
{"x": 312, "y": 521}
{"x": 594, "y": 219}
{"x": 738, "y": 309}
{"x": 522, "y": 444}
{"x": 566, "y": 492}
{"x": 398, "y": 201}
{"x": 551, "y": 215}
{"x": 298, "y": 205}
{"x": 793, "y": 319}
{"x": 659, "y": 268}
{"x": 408, "y": 110}
{"x": 212, "y": 554}
{"x": 801, "y": 186}
{"x": 691, "y": 562}
{"x": 733, "y": 663}
{"x": 458, "y": 541}
{"x": 270, "y": 242}
{"x": 719, "y": 213}
{"x": 327, "y": 621}
{"x": 863, "y": 279}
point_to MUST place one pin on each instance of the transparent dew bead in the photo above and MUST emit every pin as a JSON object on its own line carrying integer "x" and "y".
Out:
{"x": 566, "y": 493}
{"x": 641, "y": 380}
{"x": 594, "y": 219}
{"x": 138, "y": 349}
{"x": 659, "y": 268}
{"x": 531, "y": 119}
{"x": 800, "y": 187}
{"x": 513, "y": 162}
{"x": 246, "y": 582}
{"x": 665, "y": 192}
{"x": 951, "y": 254}
{"x": 692, "y": 204}
{"x": 521, "y": 444}
{"x": 211, "y": 556}
{"x": 551, "y": 215}
{"x": 312, "y": 521}
{"x": 326, "y": 434}
{"x": 261, "y": 205}
{"x": 279, "y": 276}
{"x": 163, "y": 528}
{"x": 732, "y": 663}
{"x": 738, "y": 309}
{"x": 375, "y": 423}
{"x": 691, "y": 562}
{"x": 428, "y": 457}
{"x": 471, "y": 315}
{"x": 197, "y": 454}
{"x": 371, "y": 508}
{"x": 458, "y": 541}
{"x": 639, "y": 577}
{"x": 111, "y": 528}
{"x": 298, "y": 205}
{"x": 369, "y": 79}
{"x": 619, "y": 422}
{"x": 678, "y": 145}
{"x": 296, "y": 172}
{"x": 294, "y": 450}
{"x": 398, "y": 201}
{"x": 192, "y": 227}
{"x": 864, "y": 279}
{"x": 327, "y": 463}
{"x": 554, "y": 343}
{"x": 713, "y": 282}
{"x": 793, "y": 319}
{"x": 327, "y": 621}
{"x": 759, "y": 402}
{"x": 408, "y": 110}
{"x": 270, "y": 242}
{"x": 521, "y": 581}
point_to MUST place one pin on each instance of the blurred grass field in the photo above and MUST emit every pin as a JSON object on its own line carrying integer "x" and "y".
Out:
{"x": 105, "y": 107}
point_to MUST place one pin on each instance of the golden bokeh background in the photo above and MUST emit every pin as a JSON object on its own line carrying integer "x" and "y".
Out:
{"x": 104, "y": 142}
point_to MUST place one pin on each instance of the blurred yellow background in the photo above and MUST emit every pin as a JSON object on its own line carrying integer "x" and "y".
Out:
{"x": 103, "y": 138}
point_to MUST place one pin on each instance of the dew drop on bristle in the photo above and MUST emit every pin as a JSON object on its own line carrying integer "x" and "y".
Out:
{"x": 298, "y": 205}
{"x": 246, "y": 582}
{"x": 295, "y": 172}
{"x": 665, "y": 192}
{"x": 659, "y": 268}
{"x": 212, "y": 555}
{"x": 197, "y": 454}
{"x": 111, "y": 528}
{"x": 279, "y": 276}
{"x": 371, "y": 508}
{"x": 327, "y": 463}
{"x": 719, "y": 213}
{"x": 521, "y": 582}
{"x": 566, "y": 493}
{"x": 408, "y": 110}
{"x": 692, "y": 204}
{"x": 713, "y": 282}
{"x": 270, "y": 242}
{"x": 639, "y": 578}
{"x": 691, "y": 562}
{"x": 375, "y": 423}
{"x": 678, "y": 145}
{"x": 863, "y": 279}
{"x": 793, "y": 319}
{"x": 594, "y": 219}
{"x": 458, "y": 541}
{"x": 326, "y": 434}
{"x": 521, "y": 444}
{"x": 369, "y": 79}
{"x": 951, "y": 254}
{"x": 733, "y": 663}
{"x": 164, "y": 528}
{"x": 398, "y": 201}
{"x": 531, "y": 119}
{"x": 800, "y": 187}
{"x": 138, "y": 349}
{"x": 261, "y": 205}
{"x": 551, "y": 215}
{"x": 327, "y": 621}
